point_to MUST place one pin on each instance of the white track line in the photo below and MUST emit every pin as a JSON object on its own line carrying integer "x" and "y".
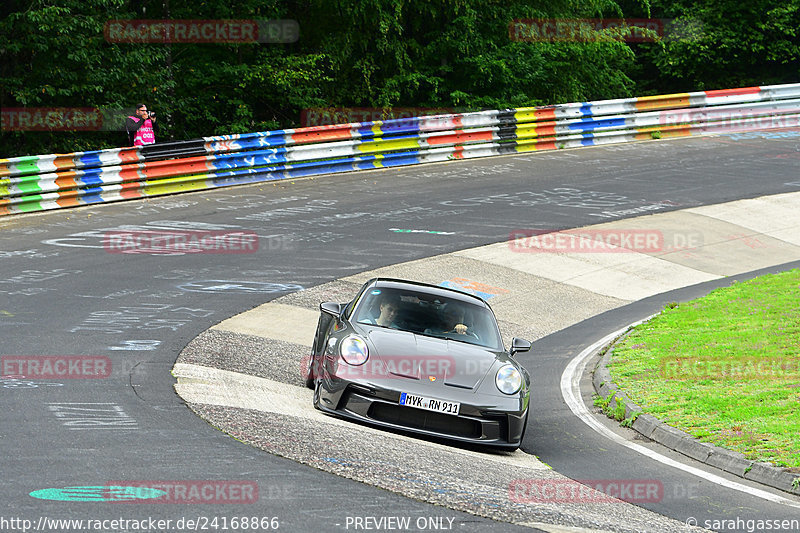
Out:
{"x": 570, "y": 390}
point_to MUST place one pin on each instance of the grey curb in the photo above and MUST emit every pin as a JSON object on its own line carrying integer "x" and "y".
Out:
{"x": 675, "y": 439}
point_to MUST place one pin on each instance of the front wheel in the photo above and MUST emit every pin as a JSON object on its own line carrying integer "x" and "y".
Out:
{"x": 317, "y": 385}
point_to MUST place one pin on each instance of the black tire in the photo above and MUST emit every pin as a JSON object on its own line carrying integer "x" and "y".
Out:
{"x": 310, "y": 372}
{"x": 317, "y": 386}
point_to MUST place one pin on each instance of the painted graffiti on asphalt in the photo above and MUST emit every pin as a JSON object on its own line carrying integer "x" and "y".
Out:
{"x": 33, "y": 253}
{"x": 20, "y": 382}
{"x": 217, "y": 285}
{"x": 145, "y": 316}
{"x": 22, "y": 283}
{"x": 137, "y": 345}
{"x": 29, "y": 277}
{"x": 361, "y": 218}
{"x": 567, "y": 197}
{"x": 92, "y": 416}
{"x": 558, "y": 196}
{"x": 96, "y": 238}
{"x": 314, "y": 206}
{"x": 236, "y": 202}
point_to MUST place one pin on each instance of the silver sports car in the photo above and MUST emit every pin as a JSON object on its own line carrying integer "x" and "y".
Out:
{"x": 421, "y": 358}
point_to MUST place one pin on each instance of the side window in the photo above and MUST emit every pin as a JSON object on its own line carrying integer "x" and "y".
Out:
{"x": 348, "y": 310}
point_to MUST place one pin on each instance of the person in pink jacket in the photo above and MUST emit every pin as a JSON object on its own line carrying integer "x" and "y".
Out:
{"x": 141, "y": 128}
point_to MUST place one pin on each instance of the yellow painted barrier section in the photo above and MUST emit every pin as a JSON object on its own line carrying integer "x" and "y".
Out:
{"x": 531, "y": 114}
{"x": 535, "y": 131}
{"x": 388, "y": 145}
{"x": 182, "y": 184}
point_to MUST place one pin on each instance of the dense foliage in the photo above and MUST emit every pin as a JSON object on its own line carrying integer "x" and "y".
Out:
{"x": 724, "y": 43}
{"x": 366, "y": 53}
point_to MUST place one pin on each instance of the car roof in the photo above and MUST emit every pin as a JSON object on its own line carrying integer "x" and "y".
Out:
{"x": 392, "y": 283}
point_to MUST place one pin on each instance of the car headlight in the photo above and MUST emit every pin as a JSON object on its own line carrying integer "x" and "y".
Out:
{"x": 508, "y": 380}
{"x": 354, "y": 350}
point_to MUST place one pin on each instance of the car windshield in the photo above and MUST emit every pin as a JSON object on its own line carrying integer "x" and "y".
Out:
{"x": 428, "y": 314}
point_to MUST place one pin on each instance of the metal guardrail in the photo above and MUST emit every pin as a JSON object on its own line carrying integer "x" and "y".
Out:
{"x": 38, "y": 183}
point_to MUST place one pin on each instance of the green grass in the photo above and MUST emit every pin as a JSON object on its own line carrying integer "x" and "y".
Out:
{"x": 724, "y": 368}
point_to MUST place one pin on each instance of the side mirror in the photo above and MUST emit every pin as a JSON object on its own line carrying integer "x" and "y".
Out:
{"x": 519, "y": 345}
{"x": 331, "y": 308}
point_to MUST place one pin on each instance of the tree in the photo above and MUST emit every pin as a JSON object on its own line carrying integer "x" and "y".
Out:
{"x": 375, "y": 53}
{"x": 723, "y": 44}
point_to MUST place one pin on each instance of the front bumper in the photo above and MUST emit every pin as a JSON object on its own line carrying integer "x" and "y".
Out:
{"x": 380, "y": 406}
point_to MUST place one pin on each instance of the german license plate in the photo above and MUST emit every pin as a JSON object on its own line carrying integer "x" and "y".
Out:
{"x": 429, "y": 404}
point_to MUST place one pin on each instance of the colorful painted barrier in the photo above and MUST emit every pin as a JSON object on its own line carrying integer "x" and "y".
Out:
{"x": 37, "y": 183}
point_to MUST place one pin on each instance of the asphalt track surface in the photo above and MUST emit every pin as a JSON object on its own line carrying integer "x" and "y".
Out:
{"x": 63, "y": 294}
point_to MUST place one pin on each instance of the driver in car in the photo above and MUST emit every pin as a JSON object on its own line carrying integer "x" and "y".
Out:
{"x": 453, "y": 322}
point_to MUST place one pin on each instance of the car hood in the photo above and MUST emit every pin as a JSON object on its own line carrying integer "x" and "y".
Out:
{"x": 419, "y": 357}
